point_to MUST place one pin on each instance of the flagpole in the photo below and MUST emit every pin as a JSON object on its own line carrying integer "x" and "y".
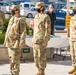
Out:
{"x": 67, "y": 7}
{"x": 68, "y": 15}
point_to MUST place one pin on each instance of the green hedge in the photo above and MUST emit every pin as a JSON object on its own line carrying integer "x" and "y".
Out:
{"x": 3, "y": 31}
{"x": 2, "y": 37}
{"x": 5, "y": 25}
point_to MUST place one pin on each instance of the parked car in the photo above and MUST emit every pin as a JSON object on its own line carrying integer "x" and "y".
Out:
{"x": 59, "y": 24}
{"x": 26, "y": 5}
{"x": 5, "y": 7}
{"x": 16, "y": 2}
{"x": 65, "y": 8}
{"x": 60, "y": 13}
{"x": 46, "y": 5}
{"x": 59, "y": 5}
{"x": 30, "y": 13}
{"x": 73, "y": 2}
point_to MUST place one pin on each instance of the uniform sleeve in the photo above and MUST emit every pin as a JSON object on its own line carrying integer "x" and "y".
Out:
{"x": 47, "y": 29}
{"x": 22, "y": 33}
{"x": 8, "y": 28}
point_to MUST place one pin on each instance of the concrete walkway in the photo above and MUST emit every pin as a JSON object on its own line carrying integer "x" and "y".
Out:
{"x": 28, "y": 68}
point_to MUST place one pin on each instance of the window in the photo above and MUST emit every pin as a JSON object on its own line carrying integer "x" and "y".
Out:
{"x": 32, "y": 5}
{"x": 57, "y": 5}
{"x": 33, "y": 9}
{"x": 60, "y": 22}
{"x": 1, "y": 4}
{"x": 5, "y": 4}
{"x": 65, "y": 7}
{"x": 20, "y": 5}
{"x": 56, "y": 11}
{"x": 71, "y": 7}
{"x": 26, "y": 5}
{"x": 62, "y": 12}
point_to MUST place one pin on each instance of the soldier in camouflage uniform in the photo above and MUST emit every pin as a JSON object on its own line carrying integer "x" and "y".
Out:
{"x": 73, "y": 41}
{"x": 41, "y": 37}
{"x": 15, "y": 39}
{"x": 2, "y": 17}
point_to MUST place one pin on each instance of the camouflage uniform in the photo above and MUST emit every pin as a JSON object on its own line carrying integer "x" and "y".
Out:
{"x": 2, "y": 17}
{"x": 73, "y": 39}
{"x": 41, "y": 35}
{"x": 15, "y": 37}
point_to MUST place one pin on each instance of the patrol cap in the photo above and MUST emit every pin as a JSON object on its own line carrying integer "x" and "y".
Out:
{"x": 74, "y": 7}
{"x": 39, "y": 5}
{"x": 15, "y": 7}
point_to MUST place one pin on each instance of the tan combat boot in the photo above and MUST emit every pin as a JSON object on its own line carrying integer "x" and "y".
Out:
{"x": 38, "y": 73}
{"x": 37, "y": 65}
{"x": 42, "y": 72}
{"x": 72, "y": 71}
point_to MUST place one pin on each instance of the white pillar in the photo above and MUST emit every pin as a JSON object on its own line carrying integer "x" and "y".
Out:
{"x": 68, "y": 6}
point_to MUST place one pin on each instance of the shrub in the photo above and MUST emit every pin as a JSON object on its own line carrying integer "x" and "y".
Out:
{"x": 2, "y": 37}
{"x": 27, "y": 29}
{"x": 5, "y": 24}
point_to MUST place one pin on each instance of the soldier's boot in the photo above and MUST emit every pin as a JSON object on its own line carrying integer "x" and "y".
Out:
{"x": 38, "y": 73}
{"x": 37, "y": 65}
{"x": 15, "y": 74}
{"x": 42, "y": 72}
{"x": 72, "y": 71}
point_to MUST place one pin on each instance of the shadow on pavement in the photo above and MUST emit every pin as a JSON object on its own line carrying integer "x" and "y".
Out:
{"x": 4, "y": 63}
{"x": 56, "y": 61}
{"x": 65, "y": 63}
{"x": 6, "y": 74}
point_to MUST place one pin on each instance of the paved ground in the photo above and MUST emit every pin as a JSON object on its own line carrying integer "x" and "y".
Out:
{"x": 28, "y": 68}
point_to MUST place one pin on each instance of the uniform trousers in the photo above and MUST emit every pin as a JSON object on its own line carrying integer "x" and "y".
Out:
{"x": 14, "y": 58}
{"x": 73, "y": 52}
{"x": 39, "y": 56}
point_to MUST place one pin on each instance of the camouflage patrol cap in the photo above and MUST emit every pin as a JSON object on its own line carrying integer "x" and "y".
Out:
{"x": 39, "y": 5}
{"x": 74, "y": 7}
{"x": 15, "y": 7}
